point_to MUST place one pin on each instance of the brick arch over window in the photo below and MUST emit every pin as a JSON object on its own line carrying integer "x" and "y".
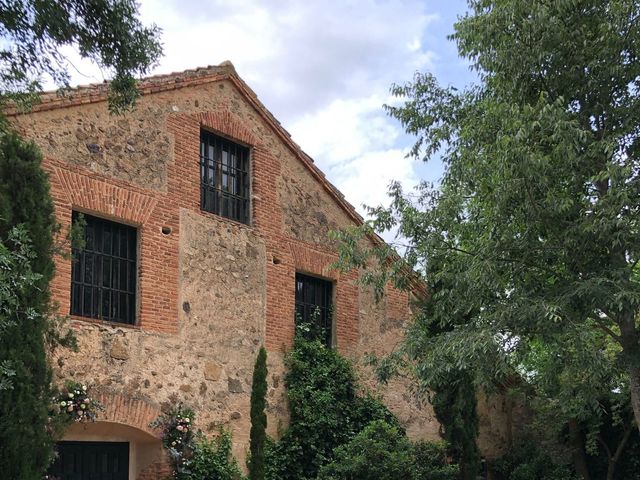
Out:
{"x": 126, "y": 410}
{"x": 312, "y": 261}
{"x": 102, "y": 198}
{"x": 226, "y": 123}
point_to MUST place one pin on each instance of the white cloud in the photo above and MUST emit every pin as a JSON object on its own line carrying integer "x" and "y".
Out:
{"x": 353, "y": 142}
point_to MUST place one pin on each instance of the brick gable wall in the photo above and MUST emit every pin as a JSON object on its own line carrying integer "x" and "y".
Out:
{"x": 212, "y": 290}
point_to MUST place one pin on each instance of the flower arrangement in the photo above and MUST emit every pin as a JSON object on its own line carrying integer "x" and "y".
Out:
{"x": 75, "y": 402}
{"x": 178, "y": 436}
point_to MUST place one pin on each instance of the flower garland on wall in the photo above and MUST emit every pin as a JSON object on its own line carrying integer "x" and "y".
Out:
{"x": 178, "y": 436}
{"x": 74, "y": 404}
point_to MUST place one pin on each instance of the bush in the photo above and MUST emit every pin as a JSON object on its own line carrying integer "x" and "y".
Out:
{"x": 525, "y": 461}
{"x": 193, "y": 456}
{"x": 326, "y": 411}
{"x": 382, "y": 452}
{"x": 212, "y": 460}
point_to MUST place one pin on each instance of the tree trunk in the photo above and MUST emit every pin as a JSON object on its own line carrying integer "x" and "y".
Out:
{"x": 611, "y": 468}
{"x": 634, "y": 386}
{"x": 577, "y": 450}
{"x": 613, "y": 459}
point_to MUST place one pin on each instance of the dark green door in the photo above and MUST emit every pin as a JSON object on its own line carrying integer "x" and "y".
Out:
{"x": 91, "y": 461}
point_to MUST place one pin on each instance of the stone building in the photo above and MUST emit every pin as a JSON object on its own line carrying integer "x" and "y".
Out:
{"x": 206, "y": 229}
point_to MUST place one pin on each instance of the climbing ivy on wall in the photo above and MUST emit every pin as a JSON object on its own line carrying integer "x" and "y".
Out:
{"x": 327, "y": 410}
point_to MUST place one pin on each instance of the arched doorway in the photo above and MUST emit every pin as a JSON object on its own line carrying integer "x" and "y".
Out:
{"x": 106, "y": 451}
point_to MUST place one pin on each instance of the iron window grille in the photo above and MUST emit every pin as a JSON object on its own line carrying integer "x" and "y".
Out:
{"x": 224, "y": 177}
{"x": 104, "y": 272}
{"x": 313, "y": 306}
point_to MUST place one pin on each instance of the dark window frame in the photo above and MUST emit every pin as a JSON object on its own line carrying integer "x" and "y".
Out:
{"x": 225, "y": 175}
{"x": 314, "y": 298}
{"x": 104, "y": 273}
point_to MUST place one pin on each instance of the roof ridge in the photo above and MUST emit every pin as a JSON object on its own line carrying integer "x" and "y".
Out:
{"x": 96, "y": 92}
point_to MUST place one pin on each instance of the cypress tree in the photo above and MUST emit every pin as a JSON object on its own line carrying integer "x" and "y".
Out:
{"x": 25, "y": 445}
{"x": 258, "y": 417}
{"x": 454, "y": 403}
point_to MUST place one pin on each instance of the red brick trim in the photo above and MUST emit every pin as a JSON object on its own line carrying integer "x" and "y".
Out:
{"x": 126, "y": 410}
{"x": 225, "y": 123}
{"x": 156, "y": 471}
{"x": 98, "y": 196}
{"x": 73, "y": 187}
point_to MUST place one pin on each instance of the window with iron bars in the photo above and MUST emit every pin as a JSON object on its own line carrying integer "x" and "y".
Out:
{"x": 224, "y": 177}
{"x": 104, "y": 272}
{"x": 313, "y": 306}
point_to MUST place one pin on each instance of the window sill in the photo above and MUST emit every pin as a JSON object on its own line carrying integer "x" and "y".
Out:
{"x": 104, "y": 323}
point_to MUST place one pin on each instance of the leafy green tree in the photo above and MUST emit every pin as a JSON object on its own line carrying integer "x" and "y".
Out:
{"x": 107, "y": 32}
{"x": 454, "y": 404}
{"x": 212, "y": 459}
{"x": 25, "y": 201}
{"x": 525, "y": 461}
{"x": 532, "y": 236}
{"x": 258, "y": 433}
{"x": 16, "y": 279}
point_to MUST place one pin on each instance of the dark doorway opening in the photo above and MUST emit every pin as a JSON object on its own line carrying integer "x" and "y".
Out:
{"x": 91, "y": 461}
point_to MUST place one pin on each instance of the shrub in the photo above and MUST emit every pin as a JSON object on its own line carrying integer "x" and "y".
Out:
{"x": 525, "y": 461}
{"x": 192, "y": 455}
{"x": 382, "y": 452}
{"x": 24, "y": 202}
{"x": 326, "y": 411}
{"x": 212, "y": 460}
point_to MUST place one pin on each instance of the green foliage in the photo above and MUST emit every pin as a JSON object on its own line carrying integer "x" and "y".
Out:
{"x": 326, "y": 411}
{"x": 108, "y": 33}
{"x": 615, "y": 431}
{"x": 383, "y": 452}
{"x": 525, "y": 461}
{"x": 16, "y": 280}
{"x": 258, "y": 433}
{"x": 193, "y": 456}
{"x": 212, "y": 460}
{"x": 530, "y": 243}
{"x": 24, "y": 202}
{"x": 454, "y": 404}
{"x": 25, "y": 199}
{"x": 178, "y": 437}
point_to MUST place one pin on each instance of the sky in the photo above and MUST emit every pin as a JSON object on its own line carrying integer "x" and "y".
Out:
{"x": 324, "y": 69}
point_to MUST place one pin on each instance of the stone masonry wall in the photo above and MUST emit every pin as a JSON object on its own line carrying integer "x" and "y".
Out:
{"x": 211, "y": 290}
